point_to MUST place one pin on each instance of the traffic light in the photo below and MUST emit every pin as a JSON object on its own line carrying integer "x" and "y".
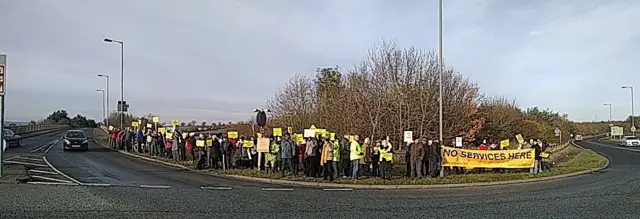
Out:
{"x": 123, "y": 106}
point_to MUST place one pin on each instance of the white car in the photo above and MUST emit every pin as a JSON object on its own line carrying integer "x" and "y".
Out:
{"x": 630, "y": 141}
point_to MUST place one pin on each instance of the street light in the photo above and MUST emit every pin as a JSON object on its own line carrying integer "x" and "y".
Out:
{"x": 107, "y": 100}
{"x": 121, "y": 77}
{"x": 441, "y": 67}
{"x": 104, "y": 117}
{"x": 633, "y": 125}
{"x": 608, "y": 104}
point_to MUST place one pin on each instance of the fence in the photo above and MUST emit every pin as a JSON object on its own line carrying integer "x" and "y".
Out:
{"x": 23, "y": 129}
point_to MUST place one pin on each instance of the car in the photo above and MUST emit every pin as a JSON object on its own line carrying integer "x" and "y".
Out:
{"x": 630, "y": 141}
{"x": 578, "y": 137}
{"x": 75, "y": 140}
{"x": 12, "y": 139}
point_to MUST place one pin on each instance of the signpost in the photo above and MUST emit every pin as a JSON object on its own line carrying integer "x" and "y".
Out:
{"x": 3, "y": 88}
{"x": 558, "y": 133}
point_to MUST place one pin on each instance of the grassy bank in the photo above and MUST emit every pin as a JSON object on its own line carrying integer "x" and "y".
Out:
{"x": 582, "y": 160}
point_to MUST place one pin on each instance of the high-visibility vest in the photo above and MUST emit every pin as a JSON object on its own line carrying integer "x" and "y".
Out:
{"x": 356, "y": 151}
{"x": 336, "y": 150}
{"x": 386, "y": 154}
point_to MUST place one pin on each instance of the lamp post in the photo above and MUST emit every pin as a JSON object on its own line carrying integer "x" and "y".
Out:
{"x": 441, "y": 69}
{"x": 633, "y": 125}
{"x": 103, "y": 108}
{"x": 608, "y": 104}
{"x": 108, "y": 40}
{"x": 107, "y": 99}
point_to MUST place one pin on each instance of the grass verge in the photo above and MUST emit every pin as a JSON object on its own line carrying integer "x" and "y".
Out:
{"x": 576, "y": 160}
{"x": 583, "y": 160}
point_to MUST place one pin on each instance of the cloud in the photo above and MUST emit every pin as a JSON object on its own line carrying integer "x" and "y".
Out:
{"x": 217, "y": 60}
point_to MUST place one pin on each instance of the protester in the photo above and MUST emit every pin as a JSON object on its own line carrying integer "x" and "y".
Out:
{"x": 286, "y": 149}
{"x": 327, "y": 159}
{"x": 386, "y": 158}
{"x": 355, "y": 156}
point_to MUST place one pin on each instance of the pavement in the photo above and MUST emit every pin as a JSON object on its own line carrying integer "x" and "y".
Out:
{"x": 140, "y": 189}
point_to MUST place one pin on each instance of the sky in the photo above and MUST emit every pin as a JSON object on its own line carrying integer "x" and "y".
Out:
{"x": 216, "y": 60}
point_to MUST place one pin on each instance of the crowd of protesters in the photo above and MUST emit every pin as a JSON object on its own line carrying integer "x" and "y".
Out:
{"x": 346, "y": 157}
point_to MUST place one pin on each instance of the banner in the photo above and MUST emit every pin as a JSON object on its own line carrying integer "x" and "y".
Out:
{"x": 452, "y": 157}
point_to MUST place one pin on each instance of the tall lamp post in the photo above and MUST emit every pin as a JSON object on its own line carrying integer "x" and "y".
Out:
{"x": 108, "y": 40}
{"x": 633, "y": 125}
{"x": 107, "y": 99}
{"x": 608, "y": 104}
{"x": 441, "y": 67}
{"x": 103, "y": 107}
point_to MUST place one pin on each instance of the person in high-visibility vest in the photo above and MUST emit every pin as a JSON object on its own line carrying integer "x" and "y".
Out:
{"x": 355, "y": 156}
{"x": 274, "y": 150}
{"x": 337, "y": 168}
{"x": 386, "y": 159}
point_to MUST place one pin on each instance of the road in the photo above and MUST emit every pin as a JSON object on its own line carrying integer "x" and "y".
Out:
{"x": 32, "y": 143}
{"x": 611, "y": 193}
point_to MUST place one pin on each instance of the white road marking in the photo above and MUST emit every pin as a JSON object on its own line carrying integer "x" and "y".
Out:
{"x": 277, "y": 189}
{"x": 341, "y": 189}
{"x": 97, "y": 184}
{"x": 44, "y": 172}
{"x": 51, "y": 179}
{"x": 215, "y": 188}
{"x": 24, "y": 163}
{"x": 155, "y": 187}
{"x": 53, "y": 183}
{"x": 51, "y": 145}
{"x": 60, "y": 172}
{"x": 25, "y": 158}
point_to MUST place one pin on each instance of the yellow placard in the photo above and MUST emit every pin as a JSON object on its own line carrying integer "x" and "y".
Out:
{"x": 169, "y": 135}
{"x": 332, "y": 136}
{"x": 134, "y": 124}
{"x": 162, "y": 130}
{"x": 352, "y": 137}
{"x": 110, "y": 128}
{"x": 452, "y": 157}
{"x": 200, "y": 143}
{"x": 277, "y": 131}
{"x": 322, "y": 132}
{"x": 247, "y": 143}
{"x": 313, "y": 127}
{"x": 520, "y": 138}
{"x": 290, "y": 130}
{"x": 184, "y": 135}
{"x": 544, "y": 155}
{"x": 299, "y": 138}
{"x": 209, "y": 142}
{"x": 504, "y": 143}
{"x": 175, "y": 122}
{"x": 156, "y": 119}
{"x": 233, "y": 135}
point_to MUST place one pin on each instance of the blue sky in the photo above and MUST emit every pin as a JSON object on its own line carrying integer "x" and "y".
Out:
{"x": 215, "y": 60}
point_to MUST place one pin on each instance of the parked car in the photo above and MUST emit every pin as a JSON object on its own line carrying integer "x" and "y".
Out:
{"x": 578, "y": 137}
{"x": 628, "y": 141}
{"x": 12, "y": 139}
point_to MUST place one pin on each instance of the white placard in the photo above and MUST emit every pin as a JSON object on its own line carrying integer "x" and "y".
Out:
{"x": 458, "y": 141}
{"x": 408, "y": 136}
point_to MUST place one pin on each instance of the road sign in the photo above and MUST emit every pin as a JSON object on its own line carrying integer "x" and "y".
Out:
{"x": 557, "y": 131}
{"x": 633, "y": 129}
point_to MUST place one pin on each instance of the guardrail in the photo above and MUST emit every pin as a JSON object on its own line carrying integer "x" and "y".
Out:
{"x": 23, "y": 129}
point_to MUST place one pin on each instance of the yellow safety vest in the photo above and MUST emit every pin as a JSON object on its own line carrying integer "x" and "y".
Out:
{"x": 386, "y": 154}
{"x": 356, "y": 151}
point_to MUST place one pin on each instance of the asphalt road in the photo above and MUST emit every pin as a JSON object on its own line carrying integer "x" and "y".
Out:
{"x": 612, "y": 193}
{"x": 32, "y": 143}
{"x": 102, "y": 165}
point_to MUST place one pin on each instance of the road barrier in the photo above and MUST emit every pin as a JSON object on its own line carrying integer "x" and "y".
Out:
{"x": 24, "y": 129}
